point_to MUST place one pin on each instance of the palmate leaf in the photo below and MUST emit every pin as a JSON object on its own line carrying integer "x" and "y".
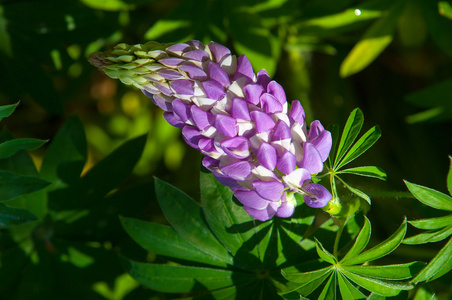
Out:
{"x": 388, "y": 280}
{"x": 439, "y": 228}
{"x": 368, "y": 171}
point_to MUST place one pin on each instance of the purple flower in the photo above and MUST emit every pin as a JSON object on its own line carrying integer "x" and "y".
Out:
{"x": 239, "y": 120}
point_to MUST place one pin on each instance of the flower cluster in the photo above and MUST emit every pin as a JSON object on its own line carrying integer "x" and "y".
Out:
{"x": 239, "y": 120}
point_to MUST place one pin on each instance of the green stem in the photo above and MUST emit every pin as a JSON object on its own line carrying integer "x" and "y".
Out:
{"x": 338, "y": 238}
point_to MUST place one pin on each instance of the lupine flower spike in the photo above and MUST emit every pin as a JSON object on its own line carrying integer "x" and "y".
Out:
{"x": 239, "y": 120}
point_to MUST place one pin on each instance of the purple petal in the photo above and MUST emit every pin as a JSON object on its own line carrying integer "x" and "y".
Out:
{"x": 160, "y": 102}
{"x": 219, "y": 52}
{"x": 244, "y": 69}
{"x": 267, "y": 156}
{"x": 196, "y": 44}
{"x": 173, "y": 120}
{"x": 191, "y": 136}
{"x": 270, "y": 104}
{"x": 262, "y": 121}
{"x": 239, "y": 109}
{"x": 315, "y": 129}
{"x": 198, "y": 55}
{"x": 262, "y": 214}
{"x": 319, "y": 195}
{"x": 239, "y": 170}
{"x": 178, "y": 49}
{"x": 251, "y": 199}
{"x": 206, "y": 145}
{"x": 183, "y": 87}
{"x": 286, "y": 210}
{"x": 170, "y": 74}
{"x": 171, "y": 61}
{"x": 182, "y": 110}
{"x": 164, "y": 88}
{"x": 276, "y": 90}
{"x": 237, "y": 147}
{"x": 297, "y": 112}
{"x": 270, "y": 190}
{"x": 323, "y": 144}
{"x": 226, "y": 125}
{"x": 281, "y": 131}
{"x": 193, "y": 71}
{"x": 210, "y": 163}
{"x": 263, "y": 78}
{"x": 213, "y": 89}
{"x": 312, "y": 160}
{"x": 286, "y": 162}
{"x": 253, "y": 93}
{"x": 202, "y": 119}
{"x": 151, "y": 89}
{"x": 218, "y": 74}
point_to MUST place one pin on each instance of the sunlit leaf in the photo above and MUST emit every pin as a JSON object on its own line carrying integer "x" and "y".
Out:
{"x": 385, "y": 288}
{"x": 163, "y": 240}
{"x": 187, "y": 219}
{"x": 348, "y": 291}
{"x": 305, "y": 277}
{"x": 430, "y": 196}
{"x": 373, "y": 42}
{"x": 329, "y": 291}
{"x": 361, "y": 242}
{"x": 438, "y": 266}
{"x": 361, "y": 146}
{"x": 445, "y": 9}
{"x": 10, "y": 147}
{"x": 349, "y": 134}
{"x": 357, "y": 192}
{"x": 368, "y": 171}
{"x": 432, "y": 223}
{"x": 324, "y": 254}
{"x": 429, "y": 237}
{"x": 382, "y": 249}
{"x": 13, "y": 185}
{"x": 389, "y": 272}
{"x": 14, "y": 216}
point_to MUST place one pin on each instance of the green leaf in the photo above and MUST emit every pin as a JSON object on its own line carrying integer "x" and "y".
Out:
{"x": 182, "y": 279}
{"x": 360, "y": 243}
{"x": 361, "y": 146}
{"x": 388, "y": 272}
{"x": 7, "y": 110}
{"x": 430, "y": 196}
{"x": 381, "y": 287}
{"x": 429, "y": 237}
{"x": 449, "y": 177}
{"x": 439, "y": 265}
{"x": 355, "y": 191}
{"x": 329, "y": 291}
{"x": 69, "y": 145}
{"x": 163, "y": 240}
{"x": 382, "y": 249}
{"x": 306, "y": 277}
{"x": 368, "y": 171}
{"x": 13, "y": 185}
{"x": 349, "y": 134}
{"x": 334, "y": 129}
{"x": 14, "y": 216}
{"x": 324, "y": 254}
{"x": 10, "y": 147}
{"x": 445, "y": 9}
{"x": 187, "y": 219}
{"x": 228, "y": 220}
{"x": 373, "y": 42}
{"x": 432, "y": 223}
{"x": 311, "y": 286}
{"x": 439, "y": 27}
{"x": 348, "y": 290}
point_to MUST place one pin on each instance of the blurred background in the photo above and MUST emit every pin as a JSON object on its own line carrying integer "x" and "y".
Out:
{"x": 390, "y": 58}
